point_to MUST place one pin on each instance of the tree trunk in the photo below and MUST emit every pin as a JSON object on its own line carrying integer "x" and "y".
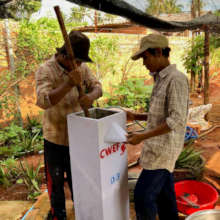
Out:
{"x": 200, "y": 84}
{"x": 17, "y": 115}
{"x": 193, "y": 81}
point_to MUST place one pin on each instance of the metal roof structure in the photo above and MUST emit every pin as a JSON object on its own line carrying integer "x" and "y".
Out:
{"x": 124, "y": 9}
{"x": 125, "y": 27}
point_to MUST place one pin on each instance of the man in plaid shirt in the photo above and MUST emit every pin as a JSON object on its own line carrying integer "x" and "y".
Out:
{"x": 164, "y": 135}
{"x": 57, "y": 94}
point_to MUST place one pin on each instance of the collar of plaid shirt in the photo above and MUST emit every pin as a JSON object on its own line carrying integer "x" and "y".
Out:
{"x": 163, "y": 73}
{"x": 61, "y": 71}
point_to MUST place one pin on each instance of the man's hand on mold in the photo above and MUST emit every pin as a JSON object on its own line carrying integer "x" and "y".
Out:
{"x": 134, "y": 138}
{"x": 86, "y": 101}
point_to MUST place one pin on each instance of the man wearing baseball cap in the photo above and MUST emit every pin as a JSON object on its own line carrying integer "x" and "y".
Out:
{"x": 57, "y": 94}
{"x": 163, "y": 138}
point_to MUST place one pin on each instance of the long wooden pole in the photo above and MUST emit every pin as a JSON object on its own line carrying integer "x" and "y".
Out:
{"x": 192, "y": 72}
{"x": 206, "y": 66}
{"x": 69, "y": 50}
{"x": 95, "y": 21}
{"x": 199, "y": 8}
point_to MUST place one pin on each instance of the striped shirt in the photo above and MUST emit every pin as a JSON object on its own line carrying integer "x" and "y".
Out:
{"x": 169, "y": 103}
{"x": 49, "y": 76}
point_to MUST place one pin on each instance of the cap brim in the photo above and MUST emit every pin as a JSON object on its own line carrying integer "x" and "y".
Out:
{"x": 82, "y": 59}
{"x": 85, "y": 59}
{"x": 138, "y": 54}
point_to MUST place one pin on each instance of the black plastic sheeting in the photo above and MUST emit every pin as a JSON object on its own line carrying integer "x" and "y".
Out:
{"x": 122, "y": 8}
{"x": 4, "y": 13}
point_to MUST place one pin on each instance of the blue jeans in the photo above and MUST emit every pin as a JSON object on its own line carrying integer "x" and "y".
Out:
{"x": 154, "y": 194}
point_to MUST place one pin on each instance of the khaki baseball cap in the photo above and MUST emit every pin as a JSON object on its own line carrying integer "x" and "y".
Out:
{"x": 151, "y": 41}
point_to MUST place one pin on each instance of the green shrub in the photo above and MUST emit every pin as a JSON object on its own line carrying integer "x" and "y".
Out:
{"x": 8, "y": 172}
{"x": 131, "y": 93}
{"x": 13, "y": 173}
{"x": 32, "y": 178}
{"x": 194, "y": 54}
{"x": 16, "y": 141}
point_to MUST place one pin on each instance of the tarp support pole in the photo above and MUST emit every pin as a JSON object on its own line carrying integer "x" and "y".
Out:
{"x": 206, "y": 66}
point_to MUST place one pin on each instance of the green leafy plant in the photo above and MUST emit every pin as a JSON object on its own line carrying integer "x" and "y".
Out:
{"x": 11, "y": 133}
{"x": 194, "y": 54}
{"x": 3, "y": 177}
{"x": 36, "y": 42}
{"x": 28, "y": 141}
{"x": 131, "y": 93}
{"x": 12, "y": 173}
{"x": 33, "y": 126}
{"x": 8, "y": 172}
{"x": 157, "y": 7}
{"x": 103, "y": 50}
{"x": 17, "y": 141}
{"x": 20, "y": 9}
{"x": 8, "y": 107}
{"x": 32, "y": 178}
{"x": 191, "y": 159}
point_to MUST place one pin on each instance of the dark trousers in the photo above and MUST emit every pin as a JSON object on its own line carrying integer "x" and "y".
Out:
{"x": 57, "y": 161}
{"x": 154, "y": 194}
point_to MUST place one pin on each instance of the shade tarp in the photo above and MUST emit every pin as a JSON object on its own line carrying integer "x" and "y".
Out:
{"x": 124, "y": 9}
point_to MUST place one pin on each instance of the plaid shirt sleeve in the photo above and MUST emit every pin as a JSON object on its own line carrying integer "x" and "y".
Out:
{"x": 43, "y": 87}
{"x": 177, "y": 102}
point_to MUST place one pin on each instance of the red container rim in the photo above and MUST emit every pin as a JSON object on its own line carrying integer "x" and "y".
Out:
{"x": 208, "y": 185}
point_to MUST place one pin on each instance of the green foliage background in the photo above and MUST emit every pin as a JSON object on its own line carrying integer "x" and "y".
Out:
{"x": 194, "y": 53}
{"x": 37, "y": 41}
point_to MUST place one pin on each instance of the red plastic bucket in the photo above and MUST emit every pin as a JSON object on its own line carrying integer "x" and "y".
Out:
{"x": 200, "y": 193}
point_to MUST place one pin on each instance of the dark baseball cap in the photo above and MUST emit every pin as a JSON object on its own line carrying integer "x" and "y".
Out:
{"x": 80, "y": 45}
